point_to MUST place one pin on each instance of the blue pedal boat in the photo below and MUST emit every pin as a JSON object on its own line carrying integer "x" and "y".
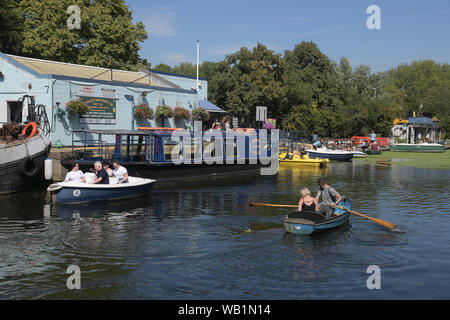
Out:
{"x": 78, "y": 192}
{"x": 306, "y": 223}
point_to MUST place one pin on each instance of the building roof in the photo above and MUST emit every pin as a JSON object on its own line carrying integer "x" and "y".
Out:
{"x": 86, "y": 72}
{"x": 208, "y": 106}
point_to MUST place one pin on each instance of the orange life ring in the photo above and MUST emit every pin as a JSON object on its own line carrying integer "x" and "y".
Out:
{"x": 33, "y": 132}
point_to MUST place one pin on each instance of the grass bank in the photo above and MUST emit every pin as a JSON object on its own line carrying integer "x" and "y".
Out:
{"x": 410, "y": 159}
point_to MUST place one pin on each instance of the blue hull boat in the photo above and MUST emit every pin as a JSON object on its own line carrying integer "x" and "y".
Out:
{"x": 77, "y": 192}
{"x": 324, "y": 153}
{"x": 306, "y": 223}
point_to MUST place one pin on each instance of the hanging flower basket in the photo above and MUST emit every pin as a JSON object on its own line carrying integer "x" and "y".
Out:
{"x": 143, "y": 112}
{"x": 181, "y": 113}
{"x": 77, "y": 106}
{"x": 200, "y": 114}
{"x": 163, "y": 112}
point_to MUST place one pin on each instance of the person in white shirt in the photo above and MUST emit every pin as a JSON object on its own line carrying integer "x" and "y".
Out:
{"x": 75, "y": 175}
{"x": 108, "y": 169}
{"x": 120, "y": 172}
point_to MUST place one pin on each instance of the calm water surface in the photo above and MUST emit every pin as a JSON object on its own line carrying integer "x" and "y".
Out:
{"x": 188, "y": 241}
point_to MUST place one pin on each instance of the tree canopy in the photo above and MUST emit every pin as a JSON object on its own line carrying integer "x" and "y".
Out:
{"x": 107, "y": 36}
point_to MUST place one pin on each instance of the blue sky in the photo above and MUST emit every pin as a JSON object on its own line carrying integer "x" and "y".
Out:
{"x": 410, "y": 29}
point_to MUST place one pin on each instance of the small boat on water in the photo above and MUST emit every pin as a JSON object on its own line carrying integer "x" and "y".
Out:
{"x": 306, "y": 223}
{"x": 306, "y": 160}
{"x": 373, "y": 152}
{"x": 358, "y": 154}
{"x": 79, "y": 192}
{"x": 419, "y": 147}
{"x": 324, "y": 153}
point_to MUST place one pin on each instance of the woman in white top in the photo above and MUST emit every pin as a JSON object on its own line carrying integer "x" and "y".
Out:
{"x": 75, "y": 175}
{"x": 120, "y": 172}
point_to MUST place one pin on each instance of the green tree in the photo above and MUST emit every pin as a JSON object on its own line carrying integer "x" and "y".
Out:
{"x": 163, "y": 67}
{"x": 107, "y": 36}
{"x": 246, "y": 79}
{"x": 11, "y": 27}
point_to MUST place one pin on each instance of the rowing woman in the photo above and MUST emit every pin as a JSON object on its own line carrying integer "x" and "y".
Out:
{"x": 330, "y": 197}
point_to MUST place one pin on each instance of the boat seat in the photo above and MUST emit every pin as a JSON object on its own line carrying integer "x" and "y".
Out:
{"x": 310, "y": 216}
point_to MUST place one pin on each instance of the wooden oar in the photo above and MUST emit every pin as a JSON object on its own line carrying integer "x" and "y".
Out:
{"x": 379, "y": 221}
{"x": 273, "y": 205}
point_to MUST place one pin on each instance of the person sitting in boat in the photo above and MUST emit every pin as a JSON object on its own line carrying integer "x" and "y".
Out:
{"x": 296, "y": 153}
{"x": 108, "y": 169}
{"x": 374, "y": 147}
{"x": 75, "y": 175}
{"x": 100, "y": 172}
{"x": 364, "y": 146}
{"x": 120, "y": 172}
{"x": 330, "y": 197}
{"x": 303, "y": 153}
{"x": 317, "y": 144}
{"x": 307, "y": 202}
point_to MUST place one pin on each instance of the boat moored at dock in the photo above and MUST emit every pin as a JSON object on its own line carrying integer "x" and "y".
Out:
{"x": 419, "y": 147}
{"x": 22, "y": 162}
{"x": 171, "y": 155}
{"x": 305, "y": 160}
{"x": 324, "y": 153}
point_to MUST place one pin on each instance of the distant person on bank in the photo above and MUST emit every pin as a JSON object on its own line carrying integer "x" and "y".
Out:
{"x": 100, "y": 172}
{"x": 120, "y": 172}
{"x": 330, "y": 197}
{"x": 373, "y": 137}
{"x": 75, "y": 175}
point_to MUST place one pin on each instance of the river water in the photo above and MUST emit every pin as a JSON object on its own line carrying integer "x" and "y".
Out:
{"x": 189, "y": 241}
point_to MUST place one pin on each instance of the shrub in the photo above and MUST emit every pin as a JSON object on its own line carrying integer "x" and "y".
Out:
{"x": 181, "y": 113}
{"x": 143, "y": 112}
{"x": 77, "y": 106}
{"x": 164, "y": 112}
{"x": 200, "y": 114}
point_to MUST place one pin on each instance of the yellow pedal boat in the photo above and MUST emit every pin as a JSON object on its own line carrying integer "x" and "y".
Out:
{"x": 304, "y": 161}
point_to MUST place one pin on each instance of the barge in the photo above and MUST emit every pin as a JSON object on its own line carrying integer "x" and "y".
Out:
{"x": 172, "y": 156}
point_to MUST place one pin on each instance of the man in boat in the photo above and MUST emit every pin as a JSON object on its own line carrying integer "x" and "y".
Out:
{"x": 120, "y": 172}
{"x": 317, "y": 144}
{"x": 330, "y": 197}
{"x": 100, "y": 172}
{"x": 75, "y": 175}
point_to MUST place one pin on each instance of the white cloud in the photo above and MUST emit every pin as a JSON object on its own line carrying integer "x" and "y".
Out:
{"x": 161, "y": 22}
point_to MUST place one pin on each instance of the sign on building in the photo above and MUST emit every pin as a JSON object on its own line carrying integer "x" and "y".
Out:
{"x": 101, "y": 111}
{"x": 87, "y": 91}
{"x": 261, "y": 114}
{"x": 235, "y": 122}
